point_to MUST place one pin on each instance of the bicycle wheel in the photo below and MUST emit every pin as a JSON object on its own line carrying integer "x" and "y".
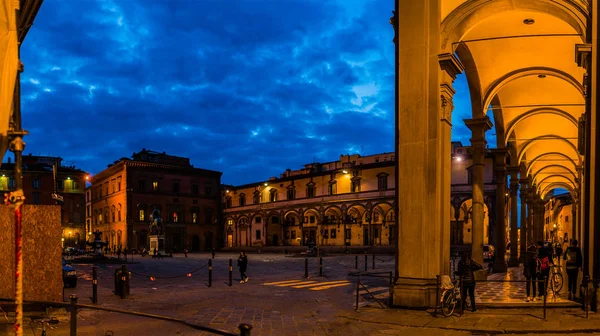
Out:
{"x": 557, "y": 281}
{"x": 448, "y": 303}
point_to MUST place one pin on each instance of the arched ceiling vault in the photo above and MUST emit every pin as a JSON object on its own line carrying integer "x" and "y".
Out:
{"x": 531, "y": 142}
{"x": 555, "y": 169}
{"x": 562, "y": 158}
{"x": 553, "y": 179}
{"x": 537, "y": 112}
{"x": 557, "y": 185}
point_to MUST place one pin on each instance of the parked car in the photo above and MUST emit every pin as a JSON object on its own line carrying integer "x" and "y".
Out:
{"x": 71, "y": 251}
{"x": 69, "y": 275}
{"x": 488, "y": 252}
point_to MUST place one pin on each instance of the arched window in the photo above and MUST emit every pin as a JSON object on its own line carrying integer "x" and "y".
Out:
{"x": 332, "y": 187}
{"x": 112, "y": 214}
{"x": 119, "y": 212}
{"x": 273, "y": 195}
{"x": 310, "y": 190}
{"x": 291, "y": 192}
{"x": 175, "y": 217}
{"x": 256, "y": 197}
{"x": 242, "y": 199}
{"x": 228, "y": 202}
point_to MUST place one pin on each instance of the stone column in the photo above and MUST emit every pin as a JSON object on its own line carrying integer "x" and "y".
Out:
{"x": 575, "y": 219}
{"x": 524, "y": 225}
{"x": 500, "y": 229}
{"x": 514, "y": 235}
{"x": 423, "y": 135}
{"x": 478, "y": 128}
{"x": 530, "y": 217}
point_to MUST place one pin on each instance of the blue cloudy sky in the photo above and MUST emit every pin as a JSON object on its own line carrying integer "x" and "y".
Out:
{"x": 247, "y": 87}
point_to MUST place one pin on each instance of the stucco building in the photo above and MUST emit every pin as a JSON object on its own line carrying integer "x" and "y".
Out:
{"x": 124, "y": 195}
{"x": 47, "y": 181}
{"x": 349, "y": 202}
{"x": 558, "y": 218}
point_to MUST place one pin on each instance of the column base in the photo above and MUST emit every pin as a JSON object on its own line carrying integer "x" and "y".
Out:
{"x": 414, "y": 293}
{"x": 500, "y": 267}
{"x": 513, "y": 262}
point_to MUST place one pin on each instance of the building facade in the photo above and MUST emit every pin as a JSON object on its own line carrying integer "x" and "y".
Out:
{"x": 47, "y": 181}
{"x": 125, "y": 194}
{"x": 349, "y": 202}
{"x": 558, "y": 218}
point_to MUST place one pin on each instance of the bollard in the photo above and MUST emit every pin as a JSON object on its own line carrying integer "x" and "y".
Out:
{"x": 94, "y": 284}
{"x": 73, "y": 315}
{"x": 366, "y": 262}
{"x": 357, "y": 290}
{"x": 123, "y": 281}
{"x": 321, "y": 266}
{"x": 209, "y": 272}
{"x": 373, "y": 261}
{"x": 245, "y": 329}
{"x": 306, "y": 267}
{"x": 355, "y": 262}
{"x": 545, "y": 295}
{"x": 230, "y": 272}
{"x": 462, "y": 292}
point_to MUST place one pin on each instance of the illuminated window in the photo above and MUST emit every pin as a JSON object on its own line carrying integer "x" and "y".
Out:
{"x": 155, "y": 185}
{"x": 194, "y": 217}
{"x": 382, "y": 181}
{"x": 36, "y": 184}
{"x": 291, "y": 193}
{"x": 175, "y": 217}
{"x": 256, "y": 197}
{"x": 332, "y": 188}
{"x": 142, "y": 215}
{"x": 273, "y": 193}
{"x": 230, "y": 222}
{"x": 242, "y": 200}
{"x": 310, "y": 190}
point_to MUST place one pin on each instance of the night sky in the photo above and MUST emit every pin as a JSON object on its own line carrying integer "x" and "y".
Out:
{"x": 246, "y": 87}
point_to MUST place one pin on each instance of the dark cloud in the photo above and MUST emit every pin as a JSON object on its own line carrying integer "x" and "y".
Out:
{"x": 248, "y": 87}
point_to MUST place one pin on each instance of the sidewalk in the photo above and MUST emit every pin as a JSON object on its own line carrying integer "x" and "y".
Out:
{"x": 505, "y": 321}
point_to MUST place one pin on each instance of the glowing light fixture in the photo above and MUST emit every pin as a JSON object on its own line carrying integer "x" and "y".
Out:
{"x": 345, "y": 171}
{"x": 68, "y": 178}
{"x": 458, "y": 158}
{"x": 266, "y": 184}
{"x": 227, "y": 191}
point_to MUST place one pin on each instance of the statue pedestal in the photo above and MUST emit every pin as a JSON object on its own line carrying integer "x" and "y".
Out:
{"x": 157, "y": 242}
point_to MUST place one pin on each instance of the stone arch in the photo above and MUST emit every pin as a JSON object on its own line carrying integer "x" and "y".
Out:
{"x": 467, "y": 15}
{"x": 556, "y": 185}
{"x": 539, "y": 184}
{"x": 530, "y": 142}
{"x": 313, "y": 211}
{"x": 530, "y": 165}
{"x": 497, "y": 86}
{"x": 542, "y": 110}
{"x": 553, "y": 166}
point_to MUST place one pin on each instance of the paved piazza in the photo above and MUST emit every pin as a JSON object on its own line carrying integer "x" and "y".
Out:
{"x": 278, "y": 300}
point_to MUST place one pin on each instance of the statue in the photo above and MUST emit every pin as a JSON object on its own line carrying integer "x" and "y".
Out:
{"x": 157, "y": 244}
{"x": 97, "y": 244}
{"x": 156, "y": 223}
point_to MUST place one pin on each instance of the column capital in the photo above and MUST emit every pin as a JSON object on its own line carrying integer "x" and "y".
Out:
{"x": 499, "y": 158}
{"x": 582, "y": 53}
{"x": 479, "y": 124}
{"x": 451, "y": 65}
{"x": 514, "y": 172}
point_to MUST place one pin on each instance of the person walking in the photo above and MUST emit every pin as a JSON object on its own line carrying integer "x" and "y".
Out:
{"x": 530, "y": 272}
{"x": 574, "y": 261}
{"x": 243, "y": 265}
{"x": 466, "y": 266}
{"x": 544, "y": 263}
{"x": 213, "y": 253}
{"x": 559, "y": 252}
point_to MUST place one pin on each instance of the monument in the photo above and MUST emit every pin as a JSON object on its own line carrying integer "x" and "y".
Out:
{"x": 98, "y": 245}
{"x": 157, "y": 238}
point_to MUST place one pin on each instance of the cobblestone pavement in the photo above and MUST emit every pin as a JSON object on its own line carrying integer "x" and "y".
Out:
{"x": 272, "y": 304}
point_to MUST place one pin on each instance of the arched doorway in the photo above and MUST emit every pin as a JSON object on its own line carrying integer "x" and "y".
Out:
{"x": 195, "y": 243}
{"x": 209, "y": 240}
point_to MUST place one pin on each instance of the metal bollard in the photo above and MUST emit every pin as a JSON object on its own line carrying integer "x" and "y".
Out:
{"x": 245, "y": 329}
{"x": 320, "y": 266}
{"x": 94, "y": 284}
{"x": 462, "y": 292}
{"x": 73, "y": 315}
{"x": 230, "y": 272}
{"x": 123, "y": 281}
{"x": 545, "y": 295}
{"x": 355, "y": 262}
{"x": 373, "y": 261}
{"x": 357, "y": 290}
{"x": 366, "y": 262}
{"x": 209, "y": 272}
{"x": 306, "y": 267}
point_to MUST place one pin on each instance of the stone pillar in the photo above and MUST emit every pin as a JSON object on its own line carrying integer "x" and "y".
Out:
{"x": 524, "y": 225}
{"x": 478, "y": 128}
{"x": 423, "y": 136}
{"x": 500, "y": 227}
{"x": 514, "y": 235}
{"x": 575, "y": 219}
{"x": 530, "y": 217}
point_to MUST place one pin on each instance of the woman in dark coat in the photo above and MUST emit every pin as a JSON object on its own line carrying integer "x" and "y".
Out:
{"x": 243, "y": 265}
{"x": 466, "y": 266}
{"x": 530, "y": 272}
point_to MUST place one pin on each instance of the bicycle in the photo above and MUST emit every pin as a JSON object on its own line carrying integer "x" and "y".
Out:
{"x": 45, "y": 322}
{"x": 450, "y": 296}
{"x": 556, "y": 279}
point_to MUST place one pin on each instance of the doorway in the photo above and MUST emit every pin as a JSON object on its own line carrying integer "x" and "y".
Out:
{"x": 195, "y": 243}
{"x": 275, "y": 240}
{"x": 366, "y": 237}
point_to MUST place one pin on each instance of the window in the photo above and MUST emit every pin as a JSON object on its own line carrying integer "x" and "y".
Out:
{"x": 376, "y": 217}
{"x": 175, "y": 217}
{"x": 275, "y": 220}
{"x": 355, "y": 186}
{"x": 566, "y": 219}
{"x": 113, "y": 214}
{"x": 310, "y": 190}
{"x": 208, "y": 190}
{"x": 382, "y": 182}
{"x": 333, "y": 232}
{"x": 36, "y": 184}
{"x": 242, "y": 200}
{"x": 142, "y": 215}
{"x": 230, "y": 222}
{"x": 113, "y": 186}
{"x": 311, "y": 219}
{"x": 141, "y": 185}
{"x": 256, "y": 197}
{"x": 257, "y": 220}
{"x": 194, "y": 217}
{"x": 332, "y": 188}
{"x": 195, "y": 189}
{"x": 75, "y": 185}
{"x": 208, "y": 216}
{"x": 291, "y": 193}
{"x": 376, "y": 233}
{"x": 228, "y": 202}
{"x": 257, "y": 234}
{"x": 36, "y": 198}
{"x": 100, "y": 217}
{"x": 273, "y": 195}
{"x": 325, "y": 233}
{"x": 119, "y": 213}
{"x": 176, "y": 187}
{"x": 119, "y": 183}
{"x": 348, "y": 234}
{"x": 60, "y": 185}
{"x": 105, "y": 188}
{"x": 293, "y": 234}
{"x": 155, "y": 186}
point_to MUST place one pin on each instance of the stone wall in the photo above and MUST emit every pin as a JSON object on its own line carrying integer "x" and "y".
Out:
{"x": 42, "y": 268}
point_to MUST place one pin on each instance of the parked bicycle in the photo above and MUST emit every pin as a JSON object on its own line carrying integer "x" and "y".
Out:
{"x": 45, "y": 321}
{"x": 450, "y": 295}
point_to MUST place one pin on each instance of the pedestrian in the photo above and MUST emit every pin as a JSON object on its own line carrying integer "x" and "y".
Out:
{"x": 243, "y": 265}
{"x": 530, "y": 272}
{"x": 119, "y": 253}
{"x": 213, "y": 252}
{"x": 574, "y": 261}
{"x": 559, "y": 252}
{"x": 466, "y": 266}
{"x": 185, "y": 252}
{"x": 544, "y": 263}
